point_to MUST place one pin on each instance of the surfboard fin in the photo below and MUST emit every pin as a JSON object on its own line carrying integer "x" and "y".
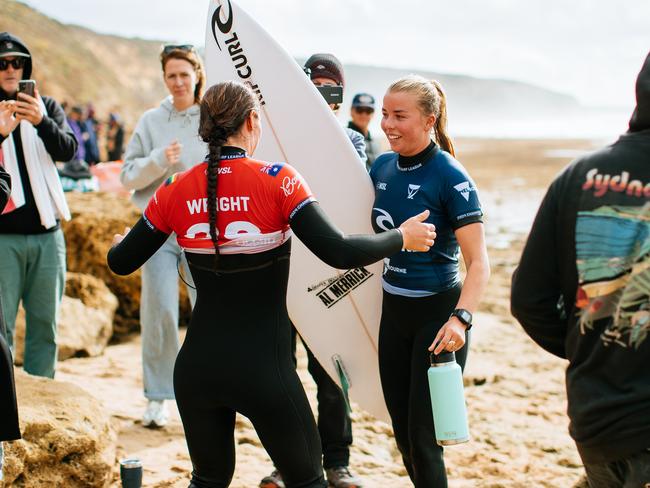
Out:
{"x": 344, "y": 378}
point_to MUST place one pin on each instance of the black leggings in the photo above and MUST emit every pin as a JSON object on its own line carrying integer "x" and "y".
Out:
{"x": 237, "y": 358}
{"x": 408, "y": 327}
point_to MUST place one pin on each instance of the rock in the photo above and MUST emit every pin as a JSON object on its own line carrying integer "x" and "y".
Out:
{"x": 67, "y": 438}
{"x": 85, "y": 319}
{"x": 101, "y": 215}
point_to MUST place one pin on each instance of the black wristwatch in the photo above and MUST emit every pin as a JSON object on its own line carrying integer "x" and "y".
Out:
{"x": 464, "y": 316}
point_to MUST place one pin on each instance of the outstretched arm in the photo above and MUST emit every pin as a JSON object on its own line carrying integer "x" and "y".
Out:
{"x": 314, "y": 228}
{"x": 132, "y": 250}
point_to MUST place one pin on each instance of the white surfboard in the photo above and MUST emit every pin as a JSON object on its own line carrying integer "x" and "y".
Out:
{"x": 336, "y": 312}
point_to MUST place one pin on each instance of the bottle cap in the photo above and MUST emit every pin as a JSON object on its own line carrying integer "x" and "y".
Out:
{"x": 443, "y": 358}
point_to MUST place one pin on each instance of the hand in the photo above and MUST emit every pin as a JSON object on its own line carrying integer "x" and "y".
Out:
{"x": 117, "y": 238}
{"x": 451, "y": 337}
{"x": 417, "y": 235}
{"x": 28, "y": 108}
{"x": 173, "y": 153}
{"x": 8, "y": 121}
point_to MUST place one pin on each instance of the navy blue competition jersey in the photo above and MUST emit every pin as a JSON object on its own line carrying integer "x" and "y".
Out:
{"x": 406, "y": 186}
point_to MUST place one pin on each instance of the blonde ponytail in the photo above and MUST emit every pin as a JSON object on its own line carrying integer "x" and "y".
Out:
{"x": 440, "y": 127}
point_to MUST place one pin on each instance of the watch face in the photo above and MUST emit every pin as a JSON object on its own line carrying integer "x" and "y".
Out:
{"x": 463, "y": 315}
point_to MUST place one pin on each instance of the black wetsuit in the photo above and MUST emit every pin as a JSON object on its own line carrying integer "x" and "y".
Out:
{"x": 237, "y": 352}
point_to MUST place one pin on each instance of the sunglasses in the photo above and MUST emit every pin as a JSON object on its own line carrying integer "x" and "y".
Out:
{"x": 364, "y": 110}
{"x": 16, "y": 63}
{"x": 177, "y": 47}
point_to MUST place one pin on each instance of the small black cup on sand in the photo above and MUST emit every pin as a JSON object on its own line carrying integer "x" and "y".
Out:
{"x": 131, "y": 473}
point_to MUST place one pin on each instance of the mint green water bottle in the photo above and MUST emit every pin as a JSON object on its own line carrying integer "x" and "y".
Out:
{"x": 448, "y": 400}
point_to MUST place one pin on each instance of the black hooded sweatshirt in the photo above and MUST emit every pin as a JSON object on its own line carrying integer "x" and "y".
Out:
{"x": 59, "y": 142}
{"x": 582, "y": 288}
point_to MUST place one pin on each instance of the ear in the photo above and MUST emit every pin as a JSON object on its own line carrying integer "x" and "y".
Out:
{"x": 250, "y": 121}
{"x": 430, "y": 123}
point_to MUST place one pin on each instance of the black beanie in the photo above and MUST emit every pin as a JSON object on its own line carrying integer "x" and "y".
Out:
{"x": 324, "y": 65}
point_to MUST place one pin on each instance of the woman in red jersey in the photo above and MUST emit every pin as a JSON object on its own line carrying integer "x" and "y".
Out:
{"x": 234, "y": 217}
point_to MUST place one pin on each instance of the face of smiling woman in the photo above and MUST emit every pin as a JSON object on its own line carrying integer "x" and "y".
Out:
{"x": 407, "y": 129}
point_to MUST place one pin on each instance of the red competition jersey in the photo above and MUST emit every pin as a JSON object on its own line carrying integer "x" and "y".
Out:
{"x": 255, "y": 201}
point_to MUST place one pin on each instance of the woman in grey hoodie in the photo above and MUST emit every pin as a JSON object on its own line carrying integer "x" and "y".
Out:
{"x": 165, "y": 141}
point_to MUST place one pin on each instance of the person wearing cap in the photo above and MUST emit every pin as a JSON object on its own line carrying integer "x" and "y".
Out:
{"x": 326, "y": 70}
{"x": 361, "y": 112}
{"x": 334, "y": 423}
{"x": 33, "y": 133}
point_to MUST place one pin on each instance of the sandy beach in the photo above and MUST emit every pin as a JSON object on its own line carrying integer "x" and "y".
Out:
{"x": 515, "y": 391}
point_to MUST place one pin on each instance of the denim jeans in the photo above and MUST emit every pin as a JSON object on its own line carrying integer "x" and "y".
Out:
{"x": 159, "y": 304}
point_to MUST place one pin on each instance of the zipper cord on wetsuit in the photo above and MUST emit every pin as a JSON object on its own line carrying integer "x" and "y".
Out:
{"x": 180, "y": 272}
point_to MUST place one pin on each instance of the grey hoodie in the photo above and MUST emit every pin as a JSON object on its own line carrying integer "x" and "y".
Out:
{"x": 145, "y": 164}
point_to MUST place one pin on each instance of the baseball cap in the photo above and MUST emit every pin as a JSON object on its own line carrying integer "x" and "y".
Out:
{"x": 10, "y": 48}
{"x": 324, "y": 65}
{"x": 363, "y": 100}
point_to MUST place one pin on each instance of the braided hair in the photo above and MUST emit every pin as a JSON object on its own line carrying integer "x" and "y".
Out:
{"x": 224, "y": 109}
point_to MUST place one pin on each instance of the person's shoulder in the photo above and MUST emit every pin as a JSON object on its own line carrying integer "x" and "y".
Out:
{"x": 152, "y": 113}
{"x": 269, "y": 168}
{"x": 449, "y": 166}
{"x": 384, "y": 158}
{"x": 383, "y": 163}
{"x": 51, "y": 105}
{"x": 184, "y": 178}
{"x": 273, "y": 169}
{"x": 354, "y": 135}
{"x": 606, "y": 161}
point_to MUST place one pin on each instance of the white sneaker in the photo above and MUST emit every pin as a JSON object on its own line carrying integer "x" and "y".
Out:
{"x": 156, "y": 414}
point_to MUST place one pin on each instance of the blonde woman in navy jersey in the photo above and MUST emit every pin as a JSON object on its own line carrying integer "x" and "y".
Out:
{"x": 425, "y": 308}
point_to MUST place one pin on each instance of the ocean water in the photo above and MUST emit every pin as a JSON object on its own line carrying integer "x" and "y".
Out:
{"x": 578, "y": 124}
{"x": 587, "y": 123}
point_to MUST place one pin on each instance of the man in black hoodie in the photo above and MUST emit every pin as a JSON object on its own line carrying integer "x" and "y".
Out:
{"x": 33, "y": 134}
{"x": 582, "y": 292}
{"x": 9, "y": 428}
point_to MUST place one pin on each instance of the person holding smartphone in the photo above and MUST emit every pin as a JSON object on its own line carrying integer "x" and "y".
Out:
{"x": 334, "y": 424}
{"x": 165, "y": 141}
{"x": 33, "y": 134}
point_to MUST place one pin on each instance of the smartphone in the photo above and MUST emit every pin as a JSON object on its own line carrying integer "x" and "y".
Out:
{"x": 332, "y": 94}
{"x": 27, "y": 87}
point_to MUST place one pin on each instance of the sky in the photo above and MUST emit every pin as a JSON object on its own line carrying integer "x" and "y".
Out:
{"x": 591, "y": 49}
